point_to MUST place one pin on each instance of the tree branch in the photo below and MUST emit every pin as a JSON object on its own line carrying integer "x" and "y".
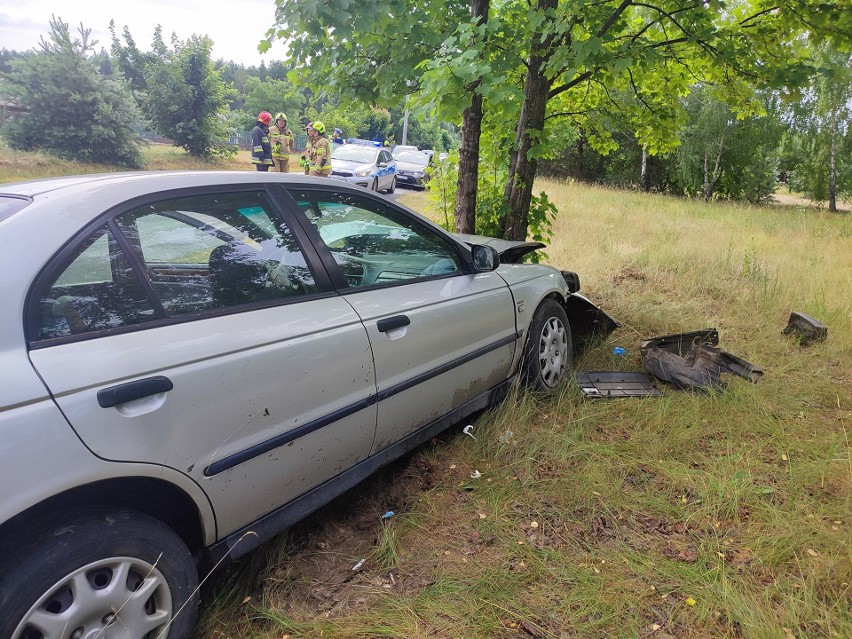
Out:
{"x": 615, "y": 15}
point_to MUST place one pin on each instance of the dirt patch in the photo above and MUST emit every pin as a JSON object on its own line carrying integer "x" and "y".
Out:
{"x": 786, "y": 199}
{"x": 628, "y": 273}
{"x": 334, "y": 559}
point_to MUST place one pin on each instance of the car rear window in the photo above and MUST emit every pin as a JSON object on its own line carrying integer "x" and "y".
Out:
{"x": 10, "y": 204}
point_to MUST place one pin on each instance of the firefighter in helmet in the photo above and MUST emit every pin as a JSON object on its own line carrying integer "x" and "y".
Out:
{"x": 317, "y": 153}
{"x": 261, "y": 148}
{"x": 282, "y": 142}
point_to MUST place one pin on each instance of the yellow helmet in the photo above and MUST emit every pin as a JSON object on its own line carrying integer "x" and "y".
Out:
{"x": 280, "y": 116}
{"x": 318, "y": 126}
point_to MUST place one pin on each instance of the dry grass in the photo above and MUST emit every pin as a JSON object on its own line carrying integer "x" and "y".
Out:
{"x": 720, "y": 515}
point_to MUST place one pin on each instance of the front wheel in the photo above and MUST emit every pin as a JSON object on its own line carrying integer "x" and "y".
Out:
{"x": 548, "y": 354}
{"x": 375, "y": 185}
{"x": 109, "y": 574}
{"x": 392, "y": 187}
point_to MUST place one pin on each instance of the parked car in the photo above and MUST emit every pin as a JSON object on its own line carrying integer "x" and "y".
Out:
{"x": 413, "y": 169}
{"x": 365, "y": 165}
{"x": 194, "y": 361}
{"x": 399, "y": 148}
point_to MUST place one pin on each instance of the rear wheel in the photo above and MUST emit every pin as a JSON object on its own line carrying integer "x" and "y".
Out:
{"x": 120, "y": 575}
{"x": 548, "y": 354}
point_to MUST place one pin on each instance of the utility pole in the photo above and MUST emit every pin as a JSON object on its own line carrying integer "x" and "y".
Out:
{"x": 405, "y": 123}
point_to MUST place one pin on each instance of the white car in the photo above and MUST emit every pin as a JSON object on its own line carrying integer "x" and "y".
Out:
{"x": 192, "y": 362}
{"x": 366, "y": 165}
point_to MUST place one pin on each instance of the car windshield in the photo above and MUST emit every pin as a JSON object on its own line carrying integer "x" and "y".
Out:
{"x": 413, "y": 157}
{"x": 354, "y": 153}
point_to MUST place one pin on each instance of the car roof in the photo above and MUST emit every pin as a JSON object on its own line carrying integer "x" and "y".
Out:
{"x": 104, "y": 189}
{"x": 152, "y": 180}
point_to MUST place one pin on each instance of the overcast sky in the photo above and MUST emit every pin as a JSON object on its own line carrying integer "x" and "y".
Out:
{"x": 235, "y": 27}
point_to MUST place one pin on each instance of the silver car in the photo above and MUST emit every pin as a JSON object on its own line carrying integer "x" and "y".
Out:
{"x": 192, "y": 362}
{"x": 413, "y": 169}
{"x": 365, "y": 165}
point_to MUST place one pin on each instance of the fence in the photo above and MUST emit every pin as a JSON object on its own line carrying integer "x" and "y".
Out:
{"x": 243, "y": 140}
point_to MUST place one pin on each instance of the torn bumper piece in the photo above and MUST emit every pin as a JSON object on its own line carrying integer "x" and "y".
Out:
{"x": 588, "y": 321}
{"x": 616, "y": 384}
{"x": 806, "y": 328}
{"x": 691, "y": 360}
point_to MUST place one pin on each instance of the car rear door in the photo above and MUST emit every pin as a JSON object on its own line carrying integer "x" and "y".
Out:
{"x": 198, "y": 333}
{"x": 441, "y": 335}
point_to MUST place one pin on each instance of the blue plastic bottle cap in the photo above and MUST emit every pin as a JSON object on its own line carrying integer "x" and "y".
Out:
{"x": 618, "y": 350}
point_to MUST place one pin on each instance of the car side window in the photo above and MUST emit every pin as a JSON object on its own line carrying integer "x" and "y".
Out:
{"x": 199, "y": 253}
{"x": 374, "y": 244}
{"x": 96, "y": 290}
{"x": 216, "y": 250}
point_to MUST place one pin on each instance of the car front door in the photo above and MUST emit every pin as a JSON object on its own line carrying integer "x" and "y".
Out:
{"x": 197, "y": 333}
{"x": 441, "y": 335}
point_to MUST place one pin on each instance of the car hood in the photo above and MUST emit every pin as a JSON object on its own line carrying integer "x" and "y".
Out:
{"x": 410, "y": 166}
{"x": 349, "y": 165}
{"x": 510, "y": 251}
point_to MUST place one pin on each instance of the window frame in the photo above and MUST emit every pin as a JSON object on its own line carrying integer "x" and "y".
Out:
{"x": 280, "y": 213}
{"x": 465, "y": 258}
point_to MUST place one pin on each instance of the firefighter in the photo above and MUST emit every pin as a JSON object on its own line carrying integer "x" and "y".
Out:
{"x": 261, "y": 148}
{"x": 282, "y": 143}
{"x": 317, "y": 153}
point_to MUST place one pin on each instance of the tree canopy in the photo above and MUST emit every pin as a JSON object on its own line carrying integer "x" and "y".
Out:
{"x": 69, "y": 107}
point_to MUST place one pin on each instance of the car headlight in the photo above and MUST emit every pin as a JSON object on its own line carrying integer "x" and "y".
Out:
{"x": 364, "y": 172}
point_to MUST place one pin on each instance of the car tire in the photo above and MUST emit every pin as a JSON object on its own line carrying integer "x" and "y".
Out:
{"x": 392, "y": 187}
{"x": 77, "y": 578}
{"x": 375, "y": 185}
{"x": 548, "y": 354}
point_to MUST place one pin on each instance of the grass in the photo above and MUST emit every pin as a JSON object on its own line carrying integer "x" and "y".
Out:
{"x": 690, "y": 515}
{"x": 16, "y": 166}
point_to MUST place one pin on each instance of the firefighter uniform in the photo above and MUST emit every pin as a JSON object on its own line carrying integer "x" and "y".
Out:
{"x": 282, "y": 143}
{"x": 317, "y": 153}
{"x": 261, "y": 148}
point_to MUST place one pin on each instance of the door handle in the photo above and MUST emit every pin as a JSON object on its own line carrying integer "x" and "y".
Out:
{"x": 390, "y": 323}
{"x": 122, "y": 393}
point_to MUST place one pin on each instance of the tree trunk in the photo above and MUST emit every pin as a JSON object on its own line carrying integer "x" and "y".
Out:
{"x": 465, "y": 212}
{"x": 832, "y": 169}
{"x": 643, "y": 175}
{"x": 710, "y": 182}
{"x": 469, "y": 166}
{"x": 530, "y": 132}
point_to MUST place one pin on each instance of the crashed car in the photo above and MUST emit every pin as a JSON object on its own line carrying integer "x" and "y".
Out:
{"x": 192, "y": 362}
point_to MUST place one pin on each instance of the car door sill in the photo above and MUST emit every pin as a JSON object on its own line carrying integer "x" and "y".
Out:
{"x": 250, "y": 537}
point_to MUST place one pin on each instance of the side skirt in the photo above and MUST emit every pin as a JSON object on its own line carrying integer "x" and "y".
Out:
{"x": 248, "y": 538}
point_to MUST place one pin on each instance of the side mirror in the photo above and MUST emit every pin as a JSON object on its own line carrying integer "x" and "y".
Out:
{"x": 485, "y": 258}
{"x": 382, "y": 165}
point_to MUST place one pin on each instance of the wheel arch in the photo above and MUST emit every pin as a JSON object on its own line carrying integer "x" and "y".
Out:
{"x": 154, "y": 497}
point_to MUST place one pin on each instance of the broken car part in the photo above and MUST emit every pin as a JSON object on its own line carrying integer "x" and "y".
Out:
{"x": 806, "y": 328}
{"x": 691, "y": 360}
{"x": 616, "y": 384}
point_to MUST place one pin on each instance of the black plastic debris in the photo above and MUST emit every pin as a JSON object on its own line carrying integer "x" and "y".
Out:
{"x": 692, "y": 360}
{"x": 616, "y": 384}
{"x": 806, "y": 328}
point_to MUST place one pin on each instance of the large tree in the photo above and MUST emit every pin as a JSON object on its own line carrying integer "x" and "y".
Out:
{"x": 594, "y": 52}
{"x": 70, "y": 108}
{"x": 435, "y": 52}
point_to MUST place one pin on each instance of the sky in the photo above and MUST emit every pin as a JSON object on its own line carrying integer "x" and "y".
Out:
{"x": 235, "y": 26}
